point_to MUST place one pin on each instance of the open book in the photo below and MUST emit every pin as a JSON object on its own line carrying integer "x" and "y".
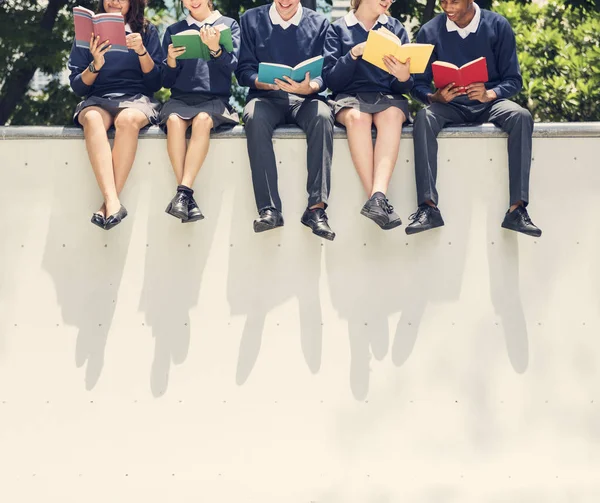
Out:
{"x": 469, "y": 73}
{"x": 383, "y": 42}
{"x": 195, "y": 48}
{"x": 268, "y": 72}
{"x": 107, "y": 26}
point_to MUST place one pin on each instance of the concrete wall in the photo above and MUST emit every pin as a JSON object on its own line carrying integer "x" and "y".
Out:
{"x": 162, "y": 362}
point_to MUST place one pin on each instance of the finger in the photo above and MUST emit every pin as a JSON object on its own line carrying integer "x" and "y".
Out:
{"x": 449, "y": 86}
{"x": 307, "y": 78}
{"x": 279, "y": 82}
{"x": 274, "y": 87}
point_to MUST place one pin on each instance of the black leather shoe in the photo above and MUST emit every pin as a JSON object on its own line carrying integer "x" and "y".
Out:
{"x": 178, "y": 207}
{"x": 317, "y": 220}
{"x": 426, "y": 217}
{"x": 99, "y": 220}
{"x": 268, "y": 219}
{"x": 379, "y": 209}
{"x": 194, "y": 213}
{"x": 519, "y": 221}
{"x": 115, "y": 218}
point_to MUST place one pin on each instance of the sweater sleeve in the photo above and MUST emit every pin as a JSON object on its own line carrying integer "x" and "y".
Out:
{"x": 321, "y": 38}
{"x": 338, "y": 68}
{"x": 153, "y": 79}
{"x": 511, "y": 81}
{"x": 422, "y": 81}
{"x": 228, "y": 61}
{"x": 247, "y": 68}
{"x": 79, "y": 59}
{"x": 406, "y": 86}
{"x": 168, "y": 74}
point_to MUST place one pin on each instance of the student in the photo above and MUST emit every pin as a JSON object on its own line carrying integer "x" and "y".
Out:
{"x": 118, "y": 89}
{"x": 285, "y": 33}
{"x": 200, "y": 92}
{"x": 461, "y": 34}
{"x": 365, "y": 95}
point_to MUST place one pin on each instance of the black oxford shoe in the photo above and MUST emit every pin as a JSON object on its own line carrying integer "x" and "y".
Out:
{"x": 316, "y": 219}
{"x": 115, "y": 219}
{"x": 519, "y": 221}
{"x": 178, "y": 207}
{"x": 98, "y": 219}
{"x": 194, "y": 213}
{"x": 268, "y": 219}
{"x": 379, "y": 209}
{"x": 426, "y": 217}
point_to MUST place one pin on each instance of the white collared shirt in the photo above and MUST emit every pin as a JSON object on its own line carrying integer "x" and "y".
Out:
{"x": 351, "y": 20}
{"x": 128, "y": 28}
{"x": 470, "y": 28}
{"x": 277, "y": 19}
{"x": 209, "y": 20}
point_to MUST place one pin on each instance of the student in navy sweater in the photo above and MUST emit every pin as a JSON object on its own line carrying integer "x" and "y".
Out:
{"x": 461, "y": 34}
{"x": 118, "y": 89}
{"x": 200, "y": 92}
{"x": 365, "y": 95}
{"x": 287, "y": 34}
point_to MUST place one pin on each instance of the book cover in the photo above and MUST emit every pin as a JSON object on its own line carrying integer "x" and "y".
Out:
{"x": 195, "y": 48}
{"x": 445, "y": 73}
{"x": 383, "y": 42}
{"x": 107, "y": 26}
{"x": 268, "y": 72}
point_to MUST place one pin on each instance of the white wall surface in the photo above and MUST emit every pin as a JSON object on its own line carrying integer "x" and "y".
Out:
{"x": 162, "y": 362}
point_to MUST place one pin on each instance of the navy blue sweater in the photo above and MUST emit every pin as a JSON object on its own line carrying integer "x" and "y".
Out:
{"x": 343, "y": 74}
{"x": 262, "y": 41}
{"x": 121, "y": 72}
{"x": 212, "y": 77}
{"x": 493, "y": 39}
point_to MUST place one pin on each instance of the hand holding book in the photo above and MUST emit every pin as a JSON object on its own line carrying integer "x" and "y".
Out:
{"x": 304, "y": 87}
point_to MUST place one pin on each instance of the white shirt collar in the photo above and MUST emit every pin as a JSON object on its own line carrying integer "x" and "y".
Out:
{"x": 209, "y": 20}
{"x": 470, "y": 28}
{"x": 277, "y": 19}
{"x": 351, "y": 20}
{"x": 128, "y": 28}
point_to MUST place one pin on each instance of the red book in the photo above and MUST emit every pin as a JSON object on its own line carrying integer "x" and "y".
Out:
{"x": 469, "y": 73}
{"x": 107, "y": 26}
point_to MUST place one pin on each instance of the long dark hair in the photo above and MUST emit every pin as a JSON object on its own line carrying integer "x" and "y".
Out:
{"x": 135, "y": 15}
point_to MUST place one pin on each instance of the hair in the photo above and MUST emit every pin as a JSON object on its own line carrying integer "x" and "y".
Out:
{"x": 355, "y": 4}
{"x": 135, "y": 15}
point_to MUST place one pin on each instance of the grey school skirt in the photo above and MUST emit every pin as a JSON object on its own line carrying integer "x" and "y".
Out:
{"x": 189, "y": 105}
{"x": 370, "y": 103}
{"x": 114, "y": 104}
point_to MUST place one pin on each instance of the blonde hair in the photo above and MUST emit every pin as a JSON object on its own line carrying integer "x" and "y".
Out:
{"x": 355, "y": 4}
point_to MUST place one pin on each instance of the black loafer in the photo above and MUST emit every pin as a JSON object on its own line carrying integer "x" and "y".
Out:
{"x": 178, "y": 207}
{"x": 268, "y": 219}
{"x": 115, "y": 219}
{"x": 99, "y": 220}
{"x": 194, "y": 213}
{"x": 379, "y": 209}
{"x": 316, "y": 219}
{"x": 426, "y": 217}
{"x": 519, "y": 221}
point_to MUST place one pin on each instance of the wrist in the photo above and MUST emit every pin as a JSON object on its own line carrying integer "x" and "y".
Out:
{"x": 352, "y": 55}
{"x": 140, "y": 55}
{"x": 491, "y": 95}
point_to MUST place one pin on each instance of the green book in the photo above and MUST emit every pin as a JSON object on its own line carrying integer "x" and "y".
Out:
{"x": 195, "y": 48}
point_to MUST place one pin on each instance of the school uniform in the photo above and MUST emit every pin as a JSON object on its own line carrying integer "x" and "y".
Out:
{"x": 120, "y": 83}
{"x": 489, "y": 35}
{"x": 356, "y": 83}
{"x": 198, "y": 85}
{"x": 266, "y": 37}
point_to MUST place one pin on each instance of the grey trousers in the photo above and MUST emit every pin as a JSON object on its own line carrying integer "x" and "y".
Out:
{"x": 512, "y": 118}
{"x": 261, "y": 116}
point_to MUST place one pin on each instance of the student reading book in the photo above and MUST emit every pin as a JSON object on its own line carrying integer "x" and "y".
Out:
{"x": 382, "y": 42}
{"x": 367, "y": 95}
{"x": 462, "y": 34}
{"x": 195, "y": 48}
{"x": 268, "y": 72}
{"x": 445, "y": 73}
{"x": 106, "y": 26}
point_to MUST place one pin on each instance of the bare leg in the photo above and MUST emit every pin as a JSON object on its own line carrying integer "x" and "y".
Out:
{"x": 127, "y": 124}
{"x": 358, "y": 127}
{"x": 389, "y": 129}
{"x": 176, "y": 144}
{"x": 198, "y": 148}
{"x": 95, "y": 122}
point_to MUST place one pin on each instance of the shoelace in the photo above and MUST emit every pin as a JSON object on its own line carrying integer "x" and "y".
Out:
{"x": 385, "y": 205}
{"x": 525, "y": 216}
{"x": 418, "y": 215}
{"x": 320, "y": 213}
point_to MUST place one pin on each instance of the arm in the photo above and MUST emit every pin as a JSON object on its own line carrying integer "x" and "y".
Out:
{"x": 338, "y": 69}
{"x": 151, "y": 61}
{"x": 508, "y": 63}
{"x": 81, "y": 78}
{"x": 169, "y": 67}
{"x": 402, "y": 86}
{"x": 422, "y": 88}
{"x": 247, "y": 68}
{"x": 228, "y": 61}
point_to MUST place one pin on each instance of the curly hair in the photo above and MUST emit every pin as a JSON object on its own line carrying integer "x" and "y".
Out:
{"x": 135, "y": 15}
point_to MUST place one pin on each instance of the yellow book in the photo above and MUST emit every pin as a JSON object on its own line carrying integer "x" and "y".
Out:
{"x": 383, "y": 42}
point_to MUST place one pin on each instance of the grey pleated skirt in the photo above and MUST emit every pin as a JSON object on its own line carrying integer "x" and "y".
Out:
{"x": 370, "y": 103}
{"x": 190, "y": 105}
{"x": 114, "y": 104}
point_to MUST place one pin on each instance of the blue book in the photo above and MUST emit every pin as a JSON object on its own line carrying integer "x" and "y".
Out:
{"x": 268, "y": 72}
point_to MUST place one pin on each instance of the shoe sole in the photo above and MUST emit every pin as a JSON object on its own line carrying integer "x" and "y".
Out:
{"x": 190, "y": 220}
{"x": 532, "y": 234}
{"x": 327, "y": 236}
{"x": 379, "y": 220}
{"x": 177, "y": 214}
{"x": 262, "y": 227}
{"x": 412, "y": 230}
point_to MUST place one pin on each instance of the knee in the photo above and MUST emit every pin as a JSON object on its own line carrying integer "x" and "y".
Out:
{"x": 523, "y": 116}
{"x": 425, "y": 119}
{"x": 355, "y": 119}
{"x": 174, "y": 122}
{"x": 91, "y": 118}
{"x": 127, "y": 121}
{"x": 202, "y": 121}
{"x": 254, "y": 122}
